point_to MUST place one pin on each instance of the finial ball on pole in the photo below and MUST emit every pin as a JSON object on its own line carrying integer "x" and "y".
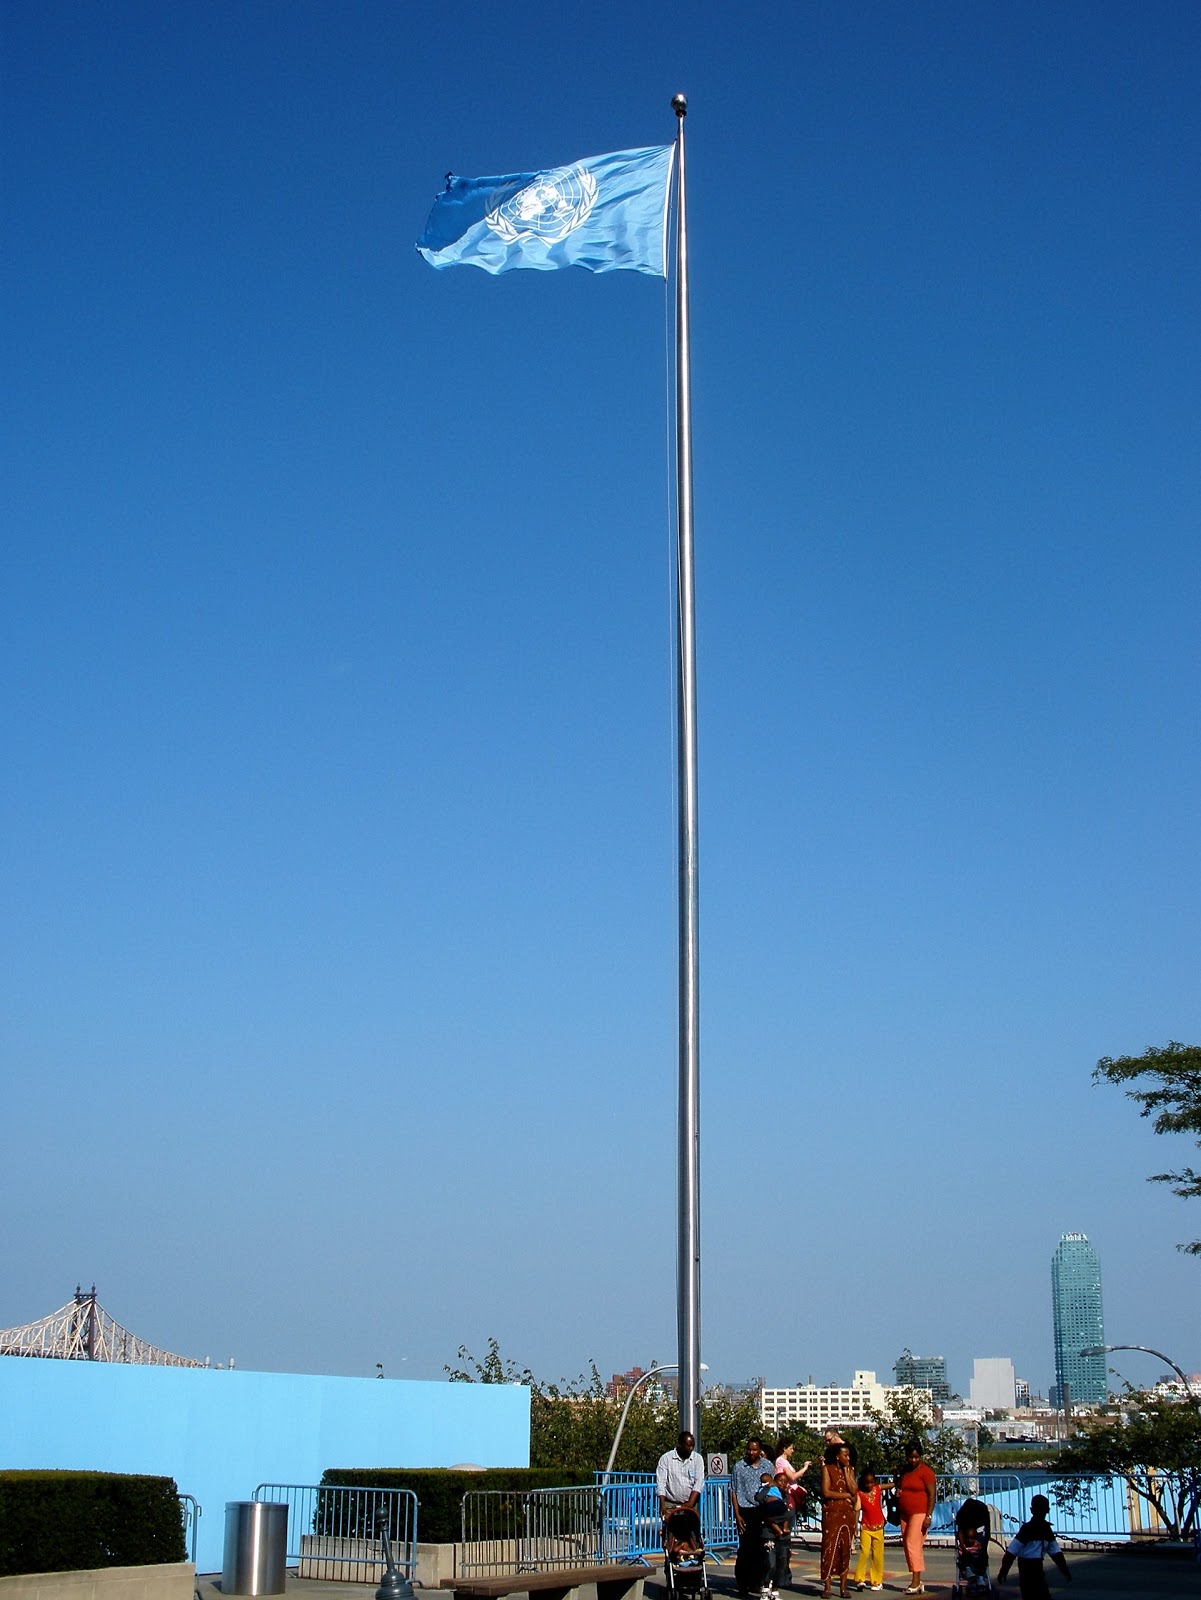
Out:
{"x": 679, "y": 104}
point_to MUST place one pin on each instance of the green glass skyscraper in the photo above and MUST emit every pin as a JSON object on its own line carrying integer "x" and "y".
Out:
{"x": 1076, "y": 1308}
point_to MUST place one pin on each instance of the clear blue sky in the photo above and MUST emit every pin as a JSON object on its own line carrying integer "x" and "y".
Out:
{"x": 338, "y": 970}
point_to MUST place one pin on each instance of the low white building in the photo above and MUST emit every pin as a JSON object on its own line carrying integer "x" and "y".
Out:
{"x": 820, "y": 1406}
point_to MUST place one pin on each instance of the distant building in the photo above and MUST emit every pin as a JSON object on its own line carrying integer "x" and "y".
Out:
{"x": 821, "y": 1406}
{"x": 1171, "y": 1388}
{"x": 1033, "y": 1423}
{"x": 1078, "y": 1322}
{"x": 620, "y": 1384}
{"x": 993, "y": 1386}
{"x": 1021, "y": 1392}
{"x": 923, "y": 1372}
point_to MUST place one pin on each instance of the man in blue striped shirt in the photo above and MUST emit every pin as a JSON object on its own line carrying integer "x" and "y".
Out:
{"x": 744, "y": 1486}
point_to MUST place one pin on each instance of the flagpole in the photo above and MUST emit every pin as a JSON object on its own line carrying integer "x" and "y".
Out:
{"x": 688, "y": 1321}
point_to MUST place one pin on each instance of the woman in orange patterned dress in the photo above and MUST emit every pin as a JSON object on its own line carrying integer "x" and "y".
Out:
{"x": 840, "y": 1505}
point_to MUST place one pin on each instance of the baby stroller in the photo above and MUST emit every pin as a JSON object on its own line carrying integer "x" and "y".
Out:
{"x": 973, "y": 1525}
{"x": 684, "y": 1555}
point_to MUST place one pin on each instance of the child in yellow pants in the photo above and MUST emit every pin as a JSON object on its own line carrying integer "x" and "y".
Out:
{"x": 871, "y": 1533}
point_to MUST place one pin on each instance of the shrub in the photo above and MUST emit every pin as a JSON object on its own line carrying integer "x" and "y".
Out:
{"x": 77, "y": 1521}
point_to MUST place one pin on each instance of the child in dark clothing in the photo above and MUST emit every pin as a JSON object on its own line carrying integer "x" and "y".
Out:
{"x": 1033, "y": 1540}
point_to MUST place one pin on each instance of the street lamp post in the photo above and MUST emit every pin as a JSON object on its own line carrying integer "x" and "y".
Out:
{"x": 668, "y": 1366}
{"x": 1107, "y": 1349}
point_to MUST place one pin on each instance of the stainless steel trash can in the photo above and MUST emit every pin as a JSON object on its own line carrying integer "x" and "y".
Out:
{"x": 256, "y": 1547}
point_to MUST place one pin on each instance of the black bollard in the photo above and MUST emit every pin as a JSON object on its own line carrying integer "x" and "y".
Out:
{"x": 393, "y": 1586}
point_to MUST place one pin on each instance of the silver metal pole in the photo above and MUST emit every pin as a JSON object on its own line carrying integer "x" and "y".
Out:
{"x": 688, "y": 1320}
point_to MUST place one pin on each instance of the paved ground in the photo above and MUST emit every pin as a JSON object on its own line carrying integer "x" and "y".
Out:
{"x": 1118, "y": 1575}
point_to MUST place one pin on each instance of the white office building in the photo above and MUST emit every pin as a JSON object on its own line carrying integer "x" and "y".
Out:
{"x": 993, "y": 1386}
{"x": 820, "y": 1406}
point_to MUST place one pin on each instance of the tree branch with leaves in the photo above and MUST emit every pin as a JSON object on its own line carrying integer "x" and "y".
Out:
{"x": 1173, "y": 1100}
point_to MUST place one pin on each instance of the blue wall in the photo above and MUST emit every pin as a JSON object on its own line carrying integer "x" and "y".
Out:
{"x": 219, "y": 1434}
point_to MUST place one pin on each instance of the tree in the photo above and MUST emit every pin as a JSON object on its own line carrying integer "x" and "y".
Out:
{"x": 1174, "y": 1101}
{"x": 727, "y": 1421}
{"x": 881, "y": 1448}
{"x": 494, "y": 1368}
{"x": 573, "y": 1422}
{"x": 1154, "y": 1445}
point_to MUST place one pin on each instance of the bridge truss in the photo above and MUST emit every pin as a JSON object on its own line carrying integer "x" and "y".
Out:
{"x": 83, "y": 1331}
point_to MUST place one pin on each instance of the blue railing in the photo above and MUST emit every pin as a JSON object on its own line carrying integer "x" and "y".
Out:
{"x": 1084, "y": 1510}
{"x": 630, "y": 1516}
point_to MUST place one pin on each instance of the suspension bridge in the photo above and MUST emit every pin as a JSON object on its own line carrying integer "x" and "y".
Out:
{"x": 82, "y": 1330}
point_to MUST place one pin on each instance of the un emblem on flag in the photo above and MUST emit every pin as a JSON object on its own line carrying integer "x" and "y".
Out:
{"x": 550, "y": 208}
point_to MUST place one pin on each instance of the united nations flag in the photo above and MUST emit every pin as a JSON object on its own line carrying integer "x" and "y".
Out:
{"x": 602, "y": 213}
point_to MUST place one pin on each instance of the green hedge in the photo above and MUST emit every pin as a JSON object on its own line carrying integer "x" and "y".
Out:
{"x": 75, "y": 1521}
{"x": 440, "y": 1491}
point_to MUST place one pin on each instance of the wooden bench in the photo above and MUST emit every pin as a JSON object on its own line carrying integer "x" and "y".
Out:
{"x": 608, "y": 1582}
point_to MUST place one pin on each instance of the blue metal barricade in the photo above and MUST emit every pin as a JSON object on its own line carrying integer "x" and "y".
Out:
{"x": 630, "y": 1520}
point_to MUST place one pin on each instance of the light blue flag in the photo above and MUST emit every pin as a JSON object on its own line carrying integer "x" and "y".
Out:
{"x": 601, "y": 213}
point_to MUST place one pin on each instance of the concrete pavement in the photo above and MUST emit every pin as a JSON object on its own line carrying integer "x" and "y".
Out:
{"x": 1147, "y": 1573}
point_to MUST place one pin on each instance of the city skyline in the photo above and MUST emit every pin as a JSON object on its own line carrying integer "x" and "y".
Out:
{"x": 993, "y": 1377}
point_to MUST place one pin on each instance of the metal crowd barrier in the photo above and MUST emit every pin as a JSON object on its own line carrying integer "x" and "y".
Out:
{"x": 1000, "y": 1492}
{"x": 630, "y": 1511}
{"x": 631, "y": 1525}
{"x": 515, "y": 1530}
{"x": 189, "y": 1512}
{"x": 334, "y": 1533}
{"x": 1083, "y": 1509}
{"x": 631, "y": 1516}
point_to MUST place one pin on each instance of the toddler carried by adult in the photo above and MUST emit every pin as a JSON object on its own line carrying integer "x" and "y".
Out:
{"x": 776, "y": 1533}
